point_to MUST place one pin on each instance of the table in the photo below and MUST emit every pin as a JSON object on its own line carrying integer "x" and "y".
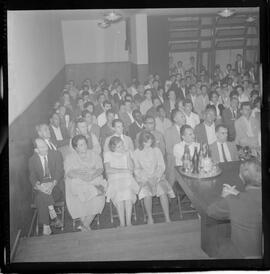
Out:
{"x": 202, "y": 193}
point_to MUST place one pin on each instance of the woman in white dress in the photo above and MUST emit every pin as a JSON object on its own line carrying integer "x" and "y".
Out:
{"x": 122, "y": 187}
{"x": 149, "y": 173}
{"x": 85, "y": 186}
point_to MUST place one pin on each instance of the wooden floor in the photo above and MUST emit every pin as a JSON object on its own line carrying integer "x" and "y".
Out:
{"x": 174, "y": 241}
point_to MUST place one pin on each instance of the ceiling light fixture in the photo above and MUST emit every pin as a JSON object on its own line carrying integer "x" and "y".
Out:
{"x": 113, "y": 16}
{"x": 251, "y": 19}
{"x": 226, "y": 13}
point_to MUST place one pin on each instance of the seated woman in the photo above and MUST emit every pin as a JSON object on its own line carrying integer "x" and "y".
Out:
{"x": 85, "y": 186}
{"x": 122, "y": 187}
{"x": 149, "y": 172}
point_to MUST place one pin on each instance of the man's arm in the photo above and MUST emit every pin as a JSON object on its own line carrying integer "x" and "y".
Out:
{"x": 219, "y": 209}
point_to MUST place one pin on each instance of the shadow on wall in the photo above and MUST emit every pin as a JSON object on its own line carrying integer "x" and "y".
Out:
{"x": 21, "y": 132}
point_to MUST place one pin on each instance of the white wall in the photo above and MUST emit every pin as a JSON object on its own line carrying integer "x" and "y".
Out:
{"x": 85, "y": 42}
{"x": 139, "y": 39}
{"x": 35, "y": 56}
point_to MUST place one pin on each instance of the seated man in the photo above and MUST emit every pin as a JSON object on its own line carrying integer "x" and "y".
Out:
{"x": 244, "y": 210}
{"x": 229, "y": 115}
{"x": 101, "y": 119}
{"x": 118, "y": 128}
{"x": 205, "y": 132}
{"x": 44, "y": 133}
{"x": 59, "y": 134}
{"x": 247, "y": 127}
{"x": 150, "y": 126}
{"x": 107, "y": 129}
{"x": 188, "y": 137}
{"x": 222, "y": 150}
{"x": 91, "y": 126}
{"x": 92, "y": 141}
{"x": 46, "y": 176}
{"x": 126, "y": 115}
{"x": 192, "y": 118}
{"x": 137, "y": 126}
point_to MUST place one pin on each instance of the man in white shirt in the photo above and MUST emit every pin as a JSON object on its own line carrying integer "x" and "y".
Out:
{"x": 188, "y": 137}
{"x": 205, "y": 132}
{"x": 247, "y": 128}
{"x": 101, "y": 119}
{"x": 222, "y": 150}
{"x": 243, "y": 97}
{"x": 192, "y": 118}
{"x": 162, "y": 123}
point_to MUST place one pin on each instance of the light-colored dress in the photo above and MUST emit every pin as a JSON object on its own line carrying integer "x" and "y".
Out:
{"x": 82, "y": 197}
{"x": 148, "y": 164}
{"x": 121, "y": 186}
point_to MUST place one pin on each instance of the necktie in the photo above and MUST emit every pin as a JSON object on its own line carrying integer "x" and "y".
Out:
{"x": 233, "y": 114}
{"x": 223, "y": 153}
{"x": 46, "y": 168}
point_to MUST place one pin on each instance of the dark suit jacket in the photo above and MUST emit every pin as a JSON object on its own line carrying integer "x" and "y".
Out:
{"x": 126, "y": 120}
{"x": 167, "y": 108}
{"x": 65, "y": 136}
{"x": 232, "y": 148}
{"x": 178, "y": 91}
{"x": 200, "y": 133}
{"x": 98, "y": 110}
{"x": 55, "y": 164}
{"x": 227, "y": 119}
{"x": 245, "y": 213}
{"x": 133, "y": 130}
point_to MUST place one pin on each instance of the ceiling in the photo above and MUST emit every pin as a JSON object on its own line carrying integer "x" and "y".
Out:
{"x": 95, "y": 14}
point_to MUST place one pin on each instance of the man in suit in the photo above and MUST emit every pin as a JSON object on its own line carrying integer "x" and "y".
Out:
{"x": 44, "y": 133}
{"x": 239, "y": 64}
{"x": 59, "y": 134}
{"x": 150, "y": 126}
{"x": 91, "y": 126}
{"x": 214, "y": 101}
{"x": 201, "y": 102}
{"x": 247, "y": 127}
{"x": 222, "y": 150}
{"x": 229, "y": 115}
{"x": 172, "y": 137}
{"x": 99, "y": 107}
{"x": 107, "y": 130}
{"x": 244, "y": 210}
{"x": 126, "y": 115}
{"x": 137, "y": 126}
{"x": 46, "y": 176}
{"x": 205, "y": 131}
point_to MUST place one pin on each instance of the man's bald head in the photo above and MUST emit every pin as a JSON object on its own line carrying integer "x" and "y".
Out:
{"x": 41, "y": 147}
{"x": 251, "y": 172}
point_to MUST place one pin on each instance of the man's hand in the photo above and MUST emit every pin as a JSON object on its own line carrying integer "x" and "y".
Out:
{"x": 229, "y": 190}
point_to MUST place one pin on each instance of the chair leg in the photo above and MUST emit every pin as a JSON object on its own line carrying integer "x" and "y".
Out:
{"x": 98, "y": 221}
{"x": 144, "y": 216}
{"x": 63, "y": 217}
{"x": 111, "y": 212}
{"x": 179, "y": 206}
{"x": 37, "y": 226}
{"x": 135, "y": 213}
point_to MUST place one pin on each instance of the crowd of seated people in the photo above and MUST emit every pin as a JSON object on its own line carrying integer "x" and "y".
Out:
{"x": 120, "y": 142}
